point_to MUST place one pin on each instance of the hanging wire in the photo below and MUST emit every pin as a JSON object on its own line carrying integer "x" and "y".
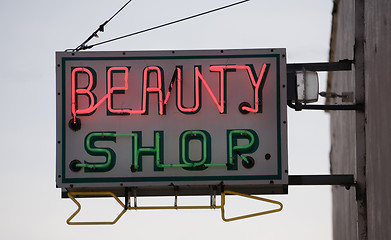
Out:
{"x": 83, "y": 46}
{"x": 101, "y": 28}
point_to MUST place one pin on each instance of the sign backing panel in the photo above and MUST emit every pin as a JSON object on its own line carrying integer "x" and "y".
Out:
{"x": 157, "y": 119}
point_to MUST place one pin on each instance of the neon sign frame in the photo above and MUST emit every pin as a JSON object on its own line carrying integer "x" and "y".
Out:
{"x": 84, "y": 87}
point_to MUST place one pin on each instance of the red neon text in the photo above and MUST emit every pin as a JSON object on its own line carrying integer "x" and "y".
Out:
{"x": 257, "y": 83}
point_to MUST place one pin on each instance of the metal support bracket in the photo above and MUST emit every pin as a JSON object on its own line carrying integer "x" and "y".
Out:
{"x": 346, "y": 180}
{"x": 73, "y": 195}
{"x": 342, "y": 65}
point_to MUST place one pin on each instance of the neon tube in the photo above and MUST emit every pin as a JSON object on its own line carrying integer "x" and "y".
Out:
{"x": 220, "y": 105}
{"x": 196, "y": 95}
{"x": 178, "y": 78}
{"x": 156, "y": 150}
{"x": 97, "y": 150}
{"x": 237, "y": 148}
{"x": 136, "y": 153}
{"x": 111, "y": 90}
{"x": 157, "y": 89}
{"x": 152, "y": 151}
{"x": 256, "y": 83}
{"x": 204, "y": 147}
{"x": 146, "y": 90}
{"x": 183, "y": 156}
{"x": 177, "y": 71}
{"x": 92, "y": 107}
{"x": 81, "y": 91}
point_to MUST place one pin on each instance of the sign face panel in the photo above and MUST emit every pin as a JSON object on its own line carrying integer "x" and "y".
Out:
{"x": 157, "y": 120}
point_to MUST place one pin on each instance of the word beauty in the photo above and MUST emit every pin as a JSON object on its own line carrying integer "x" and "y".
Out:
{"x": 257, "y": 82}
{"x": 183, "y": 118}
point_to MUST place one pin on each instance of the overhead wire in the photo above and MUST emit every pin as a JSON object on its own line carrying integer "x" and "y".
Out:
{"x": 99, "y": 29}
{"x": 83, "y": 46}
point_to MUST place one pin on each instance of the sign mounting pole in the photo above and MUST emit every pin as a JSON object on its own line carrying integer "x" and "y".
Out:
{"x": 359, "y": 63}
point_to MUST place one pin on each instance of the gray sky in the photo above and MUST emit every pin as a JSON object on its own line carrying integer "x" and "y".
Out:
{"x": 31, "y": 33}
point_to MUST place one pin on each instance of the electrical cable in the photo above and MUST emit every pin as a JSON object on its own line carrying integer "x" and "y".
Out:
{"x": 83, "y": 46}
{"x": 100, "y": 29}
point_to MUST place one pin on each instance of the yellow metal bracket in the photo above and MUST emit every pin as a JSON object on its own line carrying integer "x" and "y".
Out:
{"x": 72, "y": 196}
{"x": 249, "y": 215}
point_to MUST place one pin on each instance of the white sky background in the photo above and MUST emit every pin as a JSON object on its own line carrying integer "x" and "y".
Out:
{"x": 31, "y": 32}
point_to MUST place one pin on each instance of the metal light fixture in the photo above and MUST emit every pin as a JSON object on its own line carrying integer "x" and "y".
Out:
{"x": 303, "y": 86}
{"x": 307, "y": 86}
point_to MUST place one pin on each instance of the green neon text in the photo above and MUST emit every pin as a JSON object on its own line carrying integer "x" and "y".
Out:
{"x": 239, "y": 142}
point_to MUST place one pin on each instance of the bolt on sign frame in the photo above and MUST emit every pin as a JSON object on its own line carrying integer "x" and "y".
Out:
{"x": 172, "y": 122}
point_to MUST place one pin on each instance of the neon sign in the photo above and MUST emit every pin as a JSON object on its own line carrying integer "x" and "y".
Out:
{"x": 147, "y": 119}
